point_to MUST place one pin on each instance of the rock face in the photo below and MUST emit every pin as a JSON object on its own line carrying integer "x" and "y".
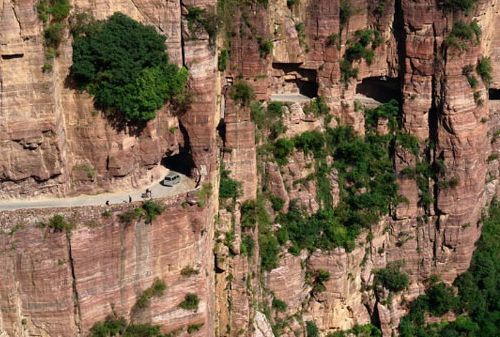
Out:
{"x": 58, "y": 284}
{"x": 53, "y": 141}
{"x": 66, "y": 132}
{"x": 456, "y": 125}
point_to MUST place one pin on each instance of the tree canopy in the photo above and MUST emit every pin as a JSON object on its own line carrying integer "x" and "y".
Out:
{"x": 124, "y": 65}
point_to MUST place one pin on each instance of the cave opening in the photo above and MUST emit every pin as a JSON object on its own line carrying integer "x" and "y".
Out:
{"x": 494, "y": 94}
{"x": 183, "y": 161}
{"x": 291, "y": 79}
{"x": 380, "y": 88}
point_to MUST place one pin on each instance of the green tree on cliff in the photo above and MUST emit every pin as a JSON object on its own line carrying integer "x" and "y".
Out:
{"x": 124, "y": 65}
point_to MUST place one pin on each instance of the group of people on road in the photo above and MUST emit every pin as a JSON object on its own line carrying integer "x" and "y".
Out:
{"x": 148, "y": 194}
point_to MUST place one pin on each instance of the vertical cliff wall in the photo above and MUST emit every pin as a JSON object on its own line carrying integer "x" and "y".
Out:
{"x": 454, "y": 123}
{"x": 49, "y": 131}
{"x": 60, "y": 284}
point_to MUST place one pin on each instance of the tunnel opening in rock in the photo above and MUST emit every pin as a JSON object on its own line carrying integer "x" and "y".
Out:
{"x": 380, "y": 88}
{"x": 291, "y": 79}
{"x": 12, "y": 56}
{"x": 494, "y": 94}
{"x": 183, "y": 161}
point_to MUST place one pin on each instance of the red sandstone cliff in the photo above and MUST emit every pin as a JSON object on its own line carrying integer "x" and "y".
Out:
{"x": 438, "y": 106}
{"x": 48, "y": 131}
{"x": 60, "y": 286}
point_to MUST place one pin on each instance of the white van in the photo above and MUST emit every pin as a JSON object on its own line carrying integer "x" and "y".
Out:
{"x": 171, "y": 179}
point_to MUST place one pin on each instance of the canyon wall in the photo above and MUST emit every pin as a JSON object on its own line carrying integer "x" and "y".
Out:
{"x": 60, "y": 284}
{"x": 438, "y": 106}
{"x": 51, "y": 134}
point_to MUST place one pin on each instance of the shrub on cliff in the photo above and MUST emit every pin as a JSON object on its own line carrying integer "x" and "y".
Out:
{"x": 200, "y": 19}
{"x": 462, "y": 34}
{"x": 458, "y": 5}
{"x": 56, "y": 10}
{"x": 151, "y": 210}
{"x": 190, "y": 302}
{"x": 229, "y": 188}
{"x": 156, "y": 290}
{"x": 242, "y": 92}
{"x": 365, "y": 330}
{"x": 279, "y": 305}
{"x": 312, "y": 329}
{"x": 59, "y": 224}
{"x": 484, "y": 69}
{"x": 124, "y": 65}
{"x": 391, "y": 278}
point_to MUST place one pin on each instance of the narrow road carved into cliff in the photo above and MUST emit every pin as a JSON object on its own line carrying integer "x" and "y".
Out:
{"x": 157, "y": 191}
{"x": 290, "y": 97}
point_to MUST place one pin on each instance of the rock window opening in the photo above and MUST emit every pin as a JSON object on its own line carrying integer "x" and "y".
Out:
{"x": 12, "y": 56}
{"x": 291, "y": 79}
{"x": 183, "y": 161}
{"x": 494, "y": 94}
{"x": 378, "y": 90}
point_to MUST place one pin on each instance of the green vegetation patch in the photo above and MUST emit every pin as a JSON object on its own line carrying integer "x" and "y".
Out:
{"x": 346, "y": 10}
{"x": 151, "y": 210}
{"x": 242, "y": 92}
{"x": 458, "y": 5}
{"x": 53, "y": 10}
{"x": 118, "y": 327}
{"x": 367, "y": 183}
{"x": 265, "y": 47}
{"x": 192, "y": 328}
{"x": 190, "y": 302}
{"x": 201, "y": 19}
{"x": 279, "y": 305}
{"x": 312, "y": 329}
{"x": 157, "y": 289}
{"x": 317, "y": 107}
{"x": 391, "y": 278}
{"x": 365, "y": 330}
{"x": 462, "y": 34}
{"x": 223, "y": 60}
{"x": 124, "y": 65}
{"x": 477, "y": 304}
{"x": 188, "y": 271}
{"x": 53, "y": 14}
{"x": 59, "y": 224}
{"x": 484, "y": 70}
{"x": 204, "y": 194}
{"x": 229, "y": 188}
{"x": 362, "y": 46}
{"x": 247, "y": 245}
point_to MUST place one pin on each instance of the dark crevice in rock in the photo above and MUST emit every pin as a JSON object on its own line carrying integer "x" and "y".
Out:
{"x": 435, "y": 113}
{"x": 400, "y": 36}
{"x": 76, "y": 298}
{"x": 182, "y": 40}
